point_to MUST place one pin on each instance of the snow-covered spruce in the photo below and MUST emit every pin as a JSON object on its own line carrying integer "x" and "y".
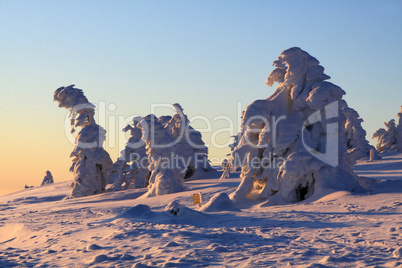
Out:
{"x": 167, "y": 175}
{"x": 357, "y": 145}
{"x": 180, "y": 129}
{"x": 132, "y": 166}
{"x": 283, "y": 135}
{"x": 387, "y": 138}
{"x": 90, "y": 161}
{"x": 399, "y": 128}
{"x": 48, "y": 179}
{"x": 390, "y": 139}
{"x": 175, "y": 151}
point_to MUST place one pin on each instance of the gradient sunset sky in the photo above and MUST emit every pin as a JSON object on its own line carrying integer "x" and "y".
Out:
{"x": 210, "y": 56}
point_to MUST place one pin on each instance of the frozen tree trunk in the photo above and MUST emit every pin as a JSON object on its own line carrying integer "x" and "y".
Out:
{"x": 372, "y": 155}
{"x": 288, "y": 151}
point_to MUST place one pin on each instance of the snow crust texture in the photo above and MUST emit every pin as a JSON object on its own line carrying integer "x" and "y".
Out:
{"x": 38, "y": 228}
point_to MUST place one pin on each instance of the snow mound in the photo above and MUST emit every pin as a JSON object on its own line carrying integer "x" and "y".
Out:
{"x": 174, "y": 213}
{"x": 136, "y": 212}
{"x": 219, "y": 202}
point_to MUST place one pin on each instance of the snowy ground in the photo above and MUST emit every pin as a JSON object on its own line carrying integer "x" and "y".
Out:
{"x": 39, "y": 229}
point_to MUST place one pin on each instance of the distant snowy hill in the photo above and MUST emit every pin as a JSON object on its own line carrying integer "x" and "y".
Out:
{"x": 38, "y": 228}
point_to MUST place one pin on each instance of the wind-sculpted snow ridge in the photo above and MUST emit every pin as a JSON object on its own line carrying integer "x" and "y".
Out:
{"x": 390, "y": 139}
{"x": 288, "y": 151}
{"x": 90, "y": 161}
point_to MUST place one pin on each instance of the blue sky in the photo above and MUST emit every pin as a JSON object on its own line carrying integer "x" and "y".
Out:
{"x": 206, "y": 55}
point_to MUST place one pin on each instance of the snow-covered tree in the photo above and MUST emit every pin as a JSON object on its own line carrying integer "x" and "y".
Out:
{"x": 390, "y": 139}
{"x": 175, "y": 151}
{"x": 180, "y": 129}
{"x": 48, "y": 179}
{"x": 357, "y": 145}
{"x": 132, "y": 166}
{"x": 90, "y": 161}
{"x": 399, "y": 130}
{"x": 288, "y": 151}
{"x": 167, "y": 158}
{"x": 387, "y": 138}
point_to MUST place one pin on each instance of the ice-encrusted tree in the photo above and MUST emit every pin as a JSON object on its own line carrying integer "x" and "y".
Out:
{"x": 90, "y": 161}
{"x": 132, "y": 166}
{"x": 399, "y": 129}
{"x": 288, "y": 150}
{"x": 175, "y": 151}
{"x": 357, "y": 145}
{"x": 48, "y": 179}
{"x": 390, "y": 139}
{"x": 387, "y": 139}
{"x": 167, "y": 158}
{"x": 180, "y": 129}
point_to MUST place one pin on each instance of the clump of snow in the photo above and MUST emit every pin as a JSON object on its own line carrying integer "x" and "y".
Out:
{"x": 173, "y": 207}
{"x": 48, "y": 179}
{"x": 90, "y": 161}
{"x": 219, "y": 202}
{"x": 93, "y": 247}
{"x": 136, "y": 211}
{"x": 278, "y": 148}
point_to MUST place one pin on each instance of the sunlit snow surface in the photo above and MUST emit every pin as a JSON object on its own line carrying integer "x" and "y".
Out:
{"x": 118, "y": 229}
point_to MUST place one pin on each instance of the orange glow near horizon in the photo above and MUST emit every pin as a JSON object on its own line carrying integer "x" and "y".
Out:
{"x": 30, "y": 151}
